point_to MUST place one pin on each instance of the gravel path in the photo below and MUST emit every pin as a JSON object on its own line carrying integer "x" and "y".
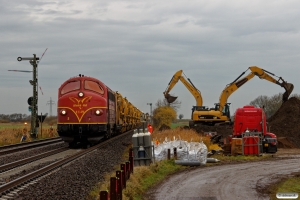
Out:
{"x": 232, "y": 181}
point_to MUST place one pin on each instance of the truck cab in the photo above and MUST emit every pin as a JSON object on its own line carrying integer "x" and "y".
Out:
{"x": 250, "y": 119}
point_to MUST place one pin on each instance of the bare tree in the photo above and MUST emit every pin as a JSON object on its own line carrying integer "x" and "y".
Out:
{"x": 175, "y": 105}
{"x": 270, "y": 104}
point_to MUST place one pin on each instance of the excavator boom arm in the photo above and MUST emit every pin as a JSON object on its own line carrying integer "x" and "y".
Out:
{"x": 261, "y": 73}
{"x": 189, "y": 85}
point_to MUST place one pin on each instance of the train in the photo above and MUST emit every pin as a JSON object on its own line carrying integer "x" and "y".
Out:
{"x": 88, "y": 111}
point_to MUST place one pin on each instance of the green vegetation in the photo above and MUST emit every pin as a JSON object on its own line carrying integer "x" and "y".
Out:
{"x": 163, "y": 115}
{"x": 178, "y": 123}
{"x": 144, "y": 177}
{"x": 286, "y": 185}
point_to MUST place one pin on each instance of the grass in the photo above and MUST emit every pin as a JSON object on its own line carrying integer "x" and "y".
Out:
{"x": 145, "y": 177}
{"x": 140, "y": 181}
{"x": 180, "y": 123}
{"x": 179, "y": 134}
{"x": 11, "y": 133}
{"x": 286, "y": 185}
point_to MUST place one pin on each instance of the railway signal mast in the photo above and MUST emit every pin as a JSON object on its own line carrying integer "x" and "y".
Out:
{"x": 32, "y": 101}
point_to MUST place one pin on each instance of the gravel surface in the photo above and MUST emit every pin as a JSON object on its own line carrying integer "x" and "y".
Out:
{"x": 29, "y": 152}
{"x": 229, "y": 181}
{"x": 76, "y": 180}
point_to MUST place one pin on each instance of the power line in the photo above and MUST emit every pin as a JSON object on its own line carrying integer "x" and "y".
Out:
{"x": 50, "y": 103}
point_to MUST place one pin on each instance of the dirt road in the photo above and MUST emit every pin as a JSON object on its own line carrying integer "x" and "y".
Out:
{"x": 231, "y": 181}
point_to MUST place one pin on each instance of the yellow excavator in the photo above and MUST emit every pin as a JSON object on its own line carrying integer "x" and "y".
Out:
{"x": 189, "y": 85}
{"x": 221, "y": 113}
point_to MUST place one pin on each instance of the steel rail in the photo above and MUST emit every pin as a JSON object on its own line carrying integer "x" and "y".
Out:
{"x": 22, "y": 146}
{"x": 8, "y": 187}
{"x": 24, "y": 161}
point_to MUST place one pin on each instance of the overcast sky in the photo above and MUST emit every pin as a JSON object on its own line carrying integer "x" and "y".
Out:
{"x": 135, "y": 47}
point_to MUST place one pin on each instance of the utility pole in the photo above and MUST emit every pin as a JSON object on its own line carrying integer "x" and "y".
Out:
{"x": 33, "y": 101}
{"x": 150, "y": 111}
{"x": 50, "y": 103}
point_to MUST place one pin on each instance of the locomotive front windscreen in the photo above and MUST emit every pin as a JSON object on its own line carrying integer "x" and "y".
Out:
{"x": 91, "y": 85}
{"x": 71, "y": 86}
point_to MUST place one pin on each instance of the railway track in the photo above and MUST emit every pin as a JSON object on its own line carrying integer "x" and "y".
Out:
{"x": 24, "y": 161}
{"x": 9, "y": 189}
{"x": 28, "y": 145}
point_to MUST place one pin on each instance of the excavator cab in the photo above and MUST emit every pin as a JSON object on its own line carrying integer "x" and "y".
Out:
{"x": 226, "y": 109}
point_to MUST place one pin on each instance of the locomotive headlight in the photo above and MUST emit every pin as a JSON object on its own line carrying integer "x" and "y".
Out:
{"x": 63, "y": 112}
{"x": 80, "y": 94}
{"x": 98, "y": 112}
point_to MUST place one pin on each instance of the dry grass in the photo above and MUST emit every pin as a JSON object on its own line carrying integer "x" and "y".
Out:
{"x": 146, "y": 176}
{"x": 188, "y": 135}
{"x": 11, "y": 133}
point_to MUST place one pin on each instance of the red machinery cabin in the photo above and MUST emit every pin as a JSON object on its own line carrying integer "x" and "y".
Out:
{"x": 86, "y": 110}
{"x": 250, "y": 118}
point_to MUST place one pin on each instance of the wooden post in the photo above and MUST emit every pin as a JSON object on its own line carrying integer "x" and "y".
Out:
{"x": 175, "y": 153}
{"x": 131, "y": 163}
{"x": 104, "y": 195}
{"x": 127, "y": 169}
{"x": 113, "y": 188}
{"x": 123, "y": 179}
{"x": 169, "y": 154}
{"x": 123, "y": 167}
{"x": 119, "y": 185}
{"x": 119, "y": 176}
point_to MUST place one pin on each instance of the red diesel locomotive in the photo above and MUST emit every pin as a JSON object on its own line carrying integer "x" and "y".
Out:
{"x": 89, "y": 111}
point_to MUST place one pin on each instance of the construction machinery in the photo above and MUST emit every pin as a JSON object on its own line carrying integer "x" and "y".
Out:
{"x": 250, "y": 135}
{"x": 221, "y": 113}
{"x": 189, "y": 85}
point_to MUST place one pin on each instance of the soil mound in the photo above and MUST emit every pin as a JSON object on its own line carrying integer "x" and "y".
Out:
{"x": 164, "y": 127}
{"x": 286, "y": 121}
{"x": 221, "y": 130}
{"x": 283, "y": 142}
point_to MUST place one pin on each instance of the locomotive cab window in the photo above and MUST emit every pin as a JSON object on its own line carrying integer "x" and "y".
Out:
{"x": 71, "y": 86}
{"x": 91, "y": 85}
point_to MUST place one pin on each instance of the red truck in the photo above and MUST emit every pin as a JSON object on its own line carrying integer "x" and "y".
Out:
{"x": 250, "y": 135}
{"x": 250, "y": 124}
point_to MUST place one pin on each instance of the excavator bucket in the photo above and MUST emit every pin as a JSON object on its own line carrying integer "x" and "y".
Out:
{"x": 288, "y": 90}
{"x": 170, "y": 99}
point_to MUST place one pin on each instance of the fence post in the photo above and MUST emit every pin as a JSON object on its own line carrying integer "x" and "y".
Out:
{"x": 123, "y": 179}
{"x": 113, "y": 188}
{"x": 104, "y": 195}
{"x": 127, "y": 169}
{"x": 175, "y": 153}
{"x": 169, "y": 154}
{"x": 119, "y": 177}
{"x": 131, "y": 163}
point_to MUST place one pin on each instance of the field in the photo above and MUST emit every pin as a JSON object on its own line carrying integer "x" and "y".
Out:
{"x": 11, "y": 133}
{"x": 182, "y": 122}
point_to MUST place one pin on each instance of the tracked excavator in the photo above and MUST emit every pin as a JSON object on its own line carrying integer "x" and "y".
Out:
{"x": 189, "y": 85}
{"x": 220, "y": 114}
